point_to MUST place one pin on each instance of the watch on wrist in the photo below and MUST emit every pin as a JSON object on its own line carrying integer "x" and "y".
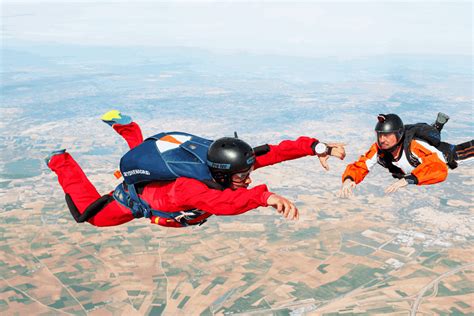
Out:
{"x": 321, "y": 148}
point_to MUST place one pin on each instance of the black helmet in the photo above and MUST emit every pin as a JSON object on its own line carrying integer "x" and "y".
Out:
{"x": 229, "y": 155}
{"x": 390, "y": 123}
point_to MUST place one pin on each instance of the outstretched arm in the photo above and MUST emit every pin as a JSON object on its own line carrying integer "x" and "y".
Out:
{"x": 190, "y": 193}
{"x": 293, "y": 149}
{"x": 125, "y": 127}
{"x": 286, "y": 150}
{"x": 356, "y": 172}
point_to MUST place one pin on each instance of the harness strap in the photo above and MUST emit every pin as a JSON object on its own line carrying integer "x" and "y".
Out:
{"x": 140, "y": 208}
{"x": 185, "y": 218}
{"x": 406, "y": 142}
{"x": 92, "y": 210}
{"x": 129, "y": 198}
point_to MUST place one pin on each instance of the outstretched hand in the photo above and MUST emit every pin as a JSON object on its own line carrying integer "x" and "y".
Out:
{"x": 283, "y": 206}
{"x": 396, "y": 185}
{"x": 337, "y": 150}
{"x": 347, "y": 188}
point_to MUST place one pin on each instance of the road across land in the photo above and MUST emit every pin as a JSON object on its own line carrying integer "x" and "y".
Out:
{"x": 419, "y": 298}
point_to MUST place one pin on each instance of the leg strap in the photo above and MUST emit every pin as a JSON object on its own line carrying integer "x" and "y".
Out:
{"x": 91, "y": 210}
{"x": 465, "y": 150}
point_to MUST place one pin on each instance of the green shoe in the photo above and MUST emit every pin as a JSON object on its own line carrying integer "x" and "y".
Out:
{"x": 115, "y": 117}
{"x": 441, "y": 119}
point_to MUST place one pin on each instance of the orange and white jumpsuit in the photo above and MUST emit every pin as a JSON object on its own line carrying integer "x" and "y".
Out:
{"x": 431, "y": 169}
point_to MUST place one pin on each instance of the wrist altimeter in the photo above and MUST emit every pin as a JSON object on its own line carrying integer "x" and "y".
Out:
{"x": 321, "y": 149}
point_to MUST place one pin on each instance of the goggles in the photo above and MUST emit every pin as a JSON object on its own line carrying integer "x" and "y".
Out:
{"x": 241, "y": 176}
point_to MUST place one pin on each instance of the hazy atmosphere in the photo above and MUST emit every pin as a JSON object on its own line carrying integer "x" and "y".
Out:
{"x": 312, "y": 29}
{"x": 270, "y": 71}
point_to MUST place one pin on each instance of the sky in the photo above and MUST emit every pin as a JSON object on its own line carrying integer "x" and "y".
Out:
{"x": 312, "y": 29}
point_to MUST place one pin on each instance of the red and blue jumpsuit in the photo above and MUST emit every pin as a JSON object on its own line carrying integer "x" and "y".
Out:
{"x": 173, "y": 196}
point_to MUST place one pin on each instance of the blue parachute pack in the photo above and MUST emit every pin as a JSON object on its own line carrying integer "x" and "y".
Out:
{"x": 162, "y": 157}
{"x": 147, "y": 162}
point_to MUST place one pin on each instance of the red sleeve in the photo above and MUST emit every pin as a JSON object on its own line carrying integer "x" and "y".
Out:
{"x": 359, "y": 169}
{"x": 286, "y": 150}
{"x": 190, "y": 193}
{"x": 130, "y": 132}
{"x": 432, "y": 169}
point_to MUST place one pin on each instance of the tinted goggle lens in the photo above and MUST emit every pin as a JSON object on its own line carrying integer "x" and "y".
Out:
{"x": 241, "y": 176}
